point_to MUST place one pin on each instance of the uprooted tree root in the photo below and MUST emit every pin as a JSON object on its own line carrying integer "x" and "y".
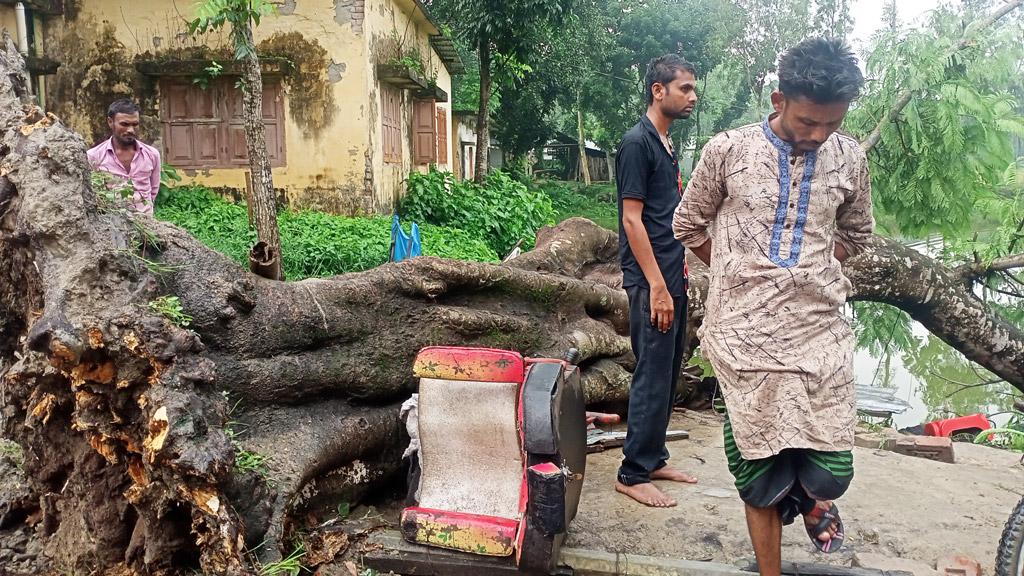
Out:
{"x": 209, "y": 433}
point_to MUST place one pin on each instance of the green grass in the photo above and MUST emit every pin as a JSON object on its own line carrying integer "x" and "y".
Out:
{"x": 313, "y": 244}
{"x": 596, "y": 202}
{"x": 289, "y": 566}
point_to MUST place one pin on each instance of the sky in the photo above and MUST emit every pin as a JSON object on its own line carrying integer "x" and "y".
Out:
{"x": 868, "y": 16}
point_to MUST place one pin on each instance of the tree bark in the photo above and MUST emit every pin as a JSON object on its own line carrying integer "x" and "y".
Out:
{"x": 584, "y": 163}
{"x": 483, "y": 116}
{"x": 265, "y": 258}
{"x": 132, "y": 424}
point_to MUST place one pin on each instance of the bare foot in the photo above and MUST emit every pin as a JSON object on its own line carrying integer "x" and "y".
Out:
{"x": 812, "y": 521}
{"x": 667, "y": 472}
{"x": 646, "y": 494}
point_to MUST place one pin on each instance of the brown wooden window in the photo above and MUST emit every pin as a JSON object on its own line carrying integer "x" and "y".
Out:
{"x": 424, "y": 121}
{"x": 391, "y": 119}
{"x": 442, "y": 136}
{"x": 204, "y": 128}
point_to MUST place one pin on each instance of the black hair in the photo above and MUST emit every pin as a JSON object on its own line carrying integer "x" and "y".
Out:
{"x": 122, "y": 106}
{"x": 662, "y": 70}
{"x": 822, "y": 70}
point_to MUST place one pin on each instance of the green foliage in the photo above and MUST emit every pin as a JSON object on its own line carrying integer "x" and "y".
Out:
{"x": 950, "y": 385}
{"x": 318, "y": 244}
{"x": 596, "y": 203}
{"x": 314, "y": 244}
{"x": 940, "y": 162}
{"x": 110, "y": 189}
{"x": 170, "y": 307}
{"x": 289, "y": 566}
{"x": 240, "y": 15}
{"x": 880, "y": 328}
{"x": 168, "y": 176}
{"x": 246, "y": 461}
{"x": 344, "y": 509}
{"x": 506, "y": 25}
{"x": 501, "y": 211}
{"x": 209, "y": 73}
{"x": 13, "y": 452}
{"x": 215, "y": 222}
{"x": 1009, "y": 438}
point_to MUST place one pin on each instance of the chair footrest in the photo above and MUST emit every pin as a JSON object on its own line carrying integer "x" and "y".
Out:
{"x": 474, "y": 533}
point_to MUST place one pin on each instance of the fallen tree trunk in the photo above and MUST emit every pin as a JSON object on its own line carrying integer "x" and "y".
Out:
{"x": 161, "y": 443}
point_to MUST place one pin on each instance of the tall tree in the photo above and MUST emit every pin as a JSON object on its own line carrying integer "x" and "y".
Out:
{"x": 620, "y": 37}
{"x": 240, "y": 16}
{"x": 502, "y": 32}
{"x": 832, "y": 18}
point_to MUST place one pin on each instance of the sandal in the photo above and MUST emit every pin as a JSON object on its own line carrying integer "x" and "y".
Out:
{"x": 824, "y": 519}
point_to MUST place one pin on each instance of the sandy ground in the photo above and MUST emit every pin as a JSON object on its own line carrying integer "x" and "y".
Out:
{"x": 898, "y": 506}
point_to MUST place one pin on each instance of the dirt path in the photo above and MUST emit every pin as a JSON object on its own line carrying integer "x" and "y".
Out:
{"x": 898, "y": 506}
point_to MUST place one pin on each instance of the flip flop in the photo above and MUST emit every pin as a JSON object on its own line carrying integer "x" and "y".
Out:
{"x": 825, "y": 519}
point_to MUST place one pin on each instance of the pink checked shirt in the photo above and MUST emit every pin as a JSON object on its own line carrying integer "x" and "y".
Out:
{"x": 144, "y": 174}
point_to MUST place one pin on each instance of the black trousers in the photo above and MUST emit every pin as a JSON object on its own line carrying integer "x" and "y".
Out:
{"x": 659, "y": 356}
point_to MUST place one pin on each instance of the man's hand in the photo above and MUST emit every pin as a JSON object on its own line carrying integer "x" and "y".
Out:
{"x": 662, "y": 308}
{"x": 841, "y": 253}
{"x": 704, "y": 252}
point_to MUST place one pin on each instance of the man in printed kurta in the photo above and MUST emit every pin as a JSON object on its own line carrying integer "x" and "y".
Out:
{"x": 774, "y": 208}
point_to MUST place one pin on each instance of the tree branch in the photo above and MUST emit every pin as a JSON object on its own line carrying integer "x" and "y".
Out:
{"x": 974, "y": 270}
{"x": 905, "y": 97}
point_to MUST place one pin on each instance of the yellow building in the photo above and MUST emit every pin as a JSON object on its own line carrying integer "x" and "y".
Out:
{"x": 355, "y": 91}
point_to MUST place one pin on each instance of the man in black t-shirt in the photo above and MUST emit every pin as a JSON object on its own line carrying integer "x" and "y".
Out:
{"x": 650, "y": 186}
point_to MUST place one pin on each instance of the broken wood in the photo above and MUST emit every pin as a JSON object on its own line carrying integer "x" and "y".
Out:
{"x": 600, "y": 440}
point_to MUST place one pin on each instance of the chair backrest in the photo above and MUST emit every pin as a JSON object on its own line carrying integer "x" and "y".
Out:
{"x": 471, "y": 455}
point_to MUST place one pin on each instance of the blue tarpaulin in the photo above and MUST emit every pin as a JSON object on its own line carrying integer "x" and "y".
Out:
{"x": 404, "y": 245}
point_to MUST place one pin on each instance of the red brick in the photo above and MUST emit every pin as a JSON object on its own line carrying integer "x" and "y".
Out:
{"x": 958, "y": 565}
{"x": 931, "y": 447}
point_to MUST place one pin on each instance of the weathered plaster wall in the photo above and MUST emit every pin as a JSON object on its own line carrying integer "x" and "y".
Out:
{"x": 334, "y": 161}
{"x": 325, "y": 168}
{"x": 9, "y": 22}
{"x": 391, "y": 31}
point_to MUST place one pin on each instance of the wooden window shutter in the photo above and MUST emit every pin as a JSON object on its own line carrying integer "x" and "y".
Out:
{"x": 424, "y": 132}
{"x": 391, "y": 124}
{"x": 273, "y": 124}
{"x": 442, "y": 136}
{"x": 204, "y": 128}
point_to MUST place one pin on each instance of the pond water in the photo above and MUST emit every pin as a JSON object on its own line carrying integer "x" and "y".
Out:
{"x": 937, "y": 382}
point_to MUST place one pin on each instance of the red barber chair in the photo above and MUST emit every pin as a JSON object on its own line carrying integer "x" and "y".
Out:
{"x": 502, "y": 454}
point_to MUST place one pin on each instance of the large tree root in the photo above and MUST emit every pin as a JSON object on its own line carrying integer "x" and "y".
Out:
{"x": 137, "y": 430}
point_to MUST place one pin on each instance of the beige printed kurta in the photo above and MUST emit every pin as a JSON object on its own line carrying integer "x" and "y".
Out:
{"x": 774, "y": 330}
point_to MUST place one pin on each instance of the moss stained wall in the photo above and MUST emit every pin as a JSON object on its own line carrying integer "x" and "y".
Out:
{"x": 394, "y": 30}
{"x": 331, "y": 113}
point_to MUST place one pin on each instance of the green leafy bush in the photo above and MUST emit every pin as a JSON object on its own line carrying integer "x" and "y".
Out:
{"x": 314, "y": 244}
{"x": 500, "y": 211}
{"x": 597, "y": 202}
{"x": 219, "y": 224}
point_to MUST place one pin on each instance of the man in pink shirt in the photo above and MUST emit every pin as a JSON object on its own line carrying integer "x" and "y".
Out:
{"x": 126, "y": 158}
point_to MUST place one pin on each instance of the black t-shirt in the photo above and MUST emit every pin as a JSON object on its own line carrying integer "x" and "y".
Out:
{"x": 645, "y": 170}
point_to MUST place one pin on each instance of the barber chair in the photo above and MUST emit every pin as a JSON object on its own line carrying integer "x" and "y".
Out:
{"x": 502, "y": 454}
